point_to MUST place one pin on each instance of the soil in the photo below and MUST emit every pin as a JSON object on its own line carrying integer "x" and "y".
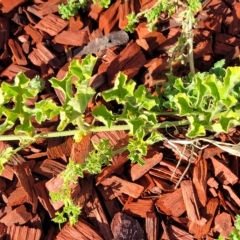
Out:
{"x": 125, "y": 201}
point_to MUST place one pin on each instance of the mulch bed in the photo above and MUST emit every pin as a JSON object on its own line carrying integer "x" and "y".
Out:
{"x": 125, "y": 201}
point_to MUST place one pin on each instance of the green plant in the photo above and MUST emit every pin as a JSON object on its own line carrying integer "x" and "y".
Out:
{"x": 93, "y": 164}
{"x": 206, "y": 102}
{"x": 73, "y": 6}
{"x": 209, "y": 100}
{"x": 235, "y": 234}
{"x": 183, "y": 49}
{"x": 152, "y": 14}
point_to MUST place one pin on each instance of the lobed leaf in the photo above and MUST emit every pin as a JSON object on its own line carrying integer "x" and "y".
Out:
{"x": 103, "y": 115}
{"x": 121, "y": 89}
{"x": 18, "y": 93}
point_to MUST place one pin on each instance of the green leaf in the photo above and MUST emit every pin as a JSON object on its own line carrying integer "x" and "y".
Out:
{"x": 46, "y": 109}
{"x": 201, "y": 92}
{"x": 231, "y": 78}
{"x": 183, "y": 103}
{"x": 120, "y": 90}
{"x": 59, "y": 218}
{"x": 71, "y": 8}
{"x": 81, "y": 99}
{"x": 226, "y": 121}
{"x": 104, "y": 115}
{"x": 75, "y": 104}
{"x": 229, "y": 102}
{"x": 135, "y": 125}
{"x": 136, "y": 158}
{"x": 154, "y": 137}
{"x": 83, "y": 70}
{"x": 132, "y": 21}
{"x": 64, "y": 85}
{"x": 218, "y": 69}
{"x": 18, "y": 93}
{"x": 178, "y": 84}
{"x": 211, "y": 83}
{"x": 237, "y": 223}
{"x": 196, "y": 128}
{"x": 5, "y": 156}
{"x": 145, "y": 99}
{"x": 103, "y": 3}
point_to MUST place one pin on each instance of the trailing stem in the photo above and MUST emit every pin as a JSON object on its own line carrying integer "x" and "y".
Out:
{"x": 190, "y": 43}
{"x": 90, "y": 129}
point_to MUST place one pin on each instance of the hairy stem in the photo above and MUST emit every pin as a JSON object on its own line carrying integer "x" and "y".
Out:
{"x": 91, "y": 129}
{"x": 190, "y": 43}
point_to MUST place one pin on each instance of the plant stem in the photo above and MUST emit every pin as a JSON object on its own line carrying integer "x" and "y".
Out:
{"x": 120, "y": 150}
{"x": 91, "y": 129}
{"x": 166, "y": 124}
{"x": 190, "y": 42}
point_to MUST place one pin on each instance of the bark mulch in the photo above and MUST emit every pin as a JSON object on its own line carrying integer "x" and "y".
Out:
{"x": 125, "y": 201}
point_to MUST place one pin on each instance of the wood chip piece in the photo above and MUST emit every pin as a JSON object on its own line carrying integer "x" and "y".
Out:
{"x": 4, "y": 29}
{"x": 223, "y": 173}
{"x": 47, "y": 56}
{"x": 96, "y": 213}
{"x": 51, "y": 24}
{"x": 125, "y": 8}
{"x": 128, "y": 61}
{"x": 152, "y": 226}
{"x": 7, "y": 6}
{"x": 17, "y": 52}
{"x": 81, "y": 230}
{"x": 78, "y": 38}
{"x": 190, "y": 202}
{"x": 49, "y": 168}
{"x": 137, "y": 171}
{"x": 211, "y": 151}
{"x": 43, "y": 197}
{"x": 223, "y": 224}
{"x": 50, "y": 6}
{"x": 12, "y": 70}
{"x": 109, "y": 199}
{"x": 80, "y": 150}
{"x": 172, "y": 203}
{"x": 140, "y": 208}
{"x": 17, "y": 216}
{"x": 122, "y": 186}
{"x": 213, "y": 23}
{"x": 163, "y": 185}
{"x": 34, "y": 33}
{"x": 212, "y": 182}
{"x": 3, "y": 230}
{"x": 35, "y": 58}
{"x": 55, "y": 184}
{"x": 23, "y": 232}
{"x": 59, "y": 148}
{"x": 203, "y": 48}
{"x": 175, "y": 233}
{"x": 232, "y": 194}
{"x": 227, "y": 39}
{"x": 17, "y": 197}
{"x": 75, "y": 23}
{"x": 233, "y": 28}
{"x": 200, "y": 181}
{"x": 109, "y": 18}
{"x": 147, "y": 182}
{"x": 154, "y": 39}
{"x": 24, "y": 175}
{"x": 207, "y": 212}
